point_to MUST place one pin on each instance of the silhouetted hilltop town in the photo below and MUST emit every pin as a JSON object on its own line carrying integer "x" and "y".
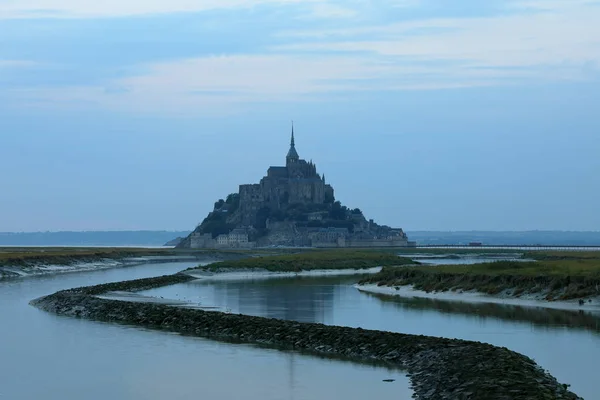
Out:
{"x": 291, "y": 206}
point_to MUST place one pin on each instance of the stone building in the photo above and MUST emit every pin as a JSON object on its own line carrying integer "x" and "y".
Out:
{"x": 297, "y": 182}
{"x": 237, "y": 238}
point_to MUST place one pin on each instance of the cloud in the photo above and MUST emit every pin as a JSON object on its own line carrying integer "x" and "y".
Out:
{"x": 120, "y": 8}
{"x": 325, "y": 10}
{"x": 5, "y": 64}
{"x": 210, "y": 82}
{"x": 224, "y": 84}
{"x": 542, "y": 41}
{"x": 567, "y": 39}
{"x": 550, "y": 5}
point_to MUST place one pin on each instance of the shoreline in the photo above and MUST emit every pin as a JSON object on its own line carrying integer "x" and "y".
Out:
{"x": 23, "y": 262}
{"x": 474, "y": 296}
{"x": 12, "y": 272}
{"x": 438, "y": 368}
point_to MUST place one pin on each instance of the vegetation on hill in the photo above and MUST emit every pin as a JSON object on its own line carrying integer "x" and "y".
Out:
{"x": 216, "y": 222}
{"x": 574, "y": 275}
{"x": 333, "y": 259}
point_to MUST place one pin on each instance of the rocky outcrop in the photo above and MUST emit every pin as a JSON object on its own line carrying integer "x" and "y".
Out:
{"x": 439, "y": 368}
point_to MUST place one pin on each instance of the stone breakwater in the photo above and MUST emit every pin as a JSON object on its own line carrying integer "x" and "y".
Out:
{"x": 439, "y": 368}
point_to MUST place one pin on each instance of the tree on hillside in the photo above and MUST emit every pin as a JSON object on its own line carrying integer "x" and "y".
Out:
{"x": 219, "y": 203}
{"x": 233, "y": 200}
{"x": 338, "y": 211}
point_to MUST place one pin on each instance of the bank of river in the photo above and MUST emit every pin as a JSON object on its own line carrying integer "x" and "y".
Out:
{"x": 48, "y": 357}
{"x": 30, "y": 269}
{"x": 591, "y": 305}
{"x": 28, "y": 262}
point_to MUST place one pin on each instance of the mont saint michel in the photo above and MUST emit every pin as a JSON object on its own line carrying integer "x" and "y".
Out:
{"x": 292, "y": 205}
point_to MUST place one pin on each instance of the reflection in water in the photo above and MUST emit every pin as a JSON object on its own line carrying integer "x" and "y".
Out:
{"x": 538, "y": 316}
{"x": 303, "y": 299}
{"x": 464, "y": 259}
{"x": 296, "y": 300}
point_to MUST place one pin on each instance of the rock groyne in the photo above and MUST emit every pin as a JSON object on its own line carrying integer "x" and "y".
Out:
{"x": 439, "y": 368}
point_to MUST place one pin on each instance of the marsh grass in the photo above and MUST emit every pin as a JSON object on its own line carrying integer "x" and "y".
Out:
{"x": 332, "y": 259}
{"x": 556, "y": 279}
{"x": 66, "y": 255}
{"x": 24, "y": 256}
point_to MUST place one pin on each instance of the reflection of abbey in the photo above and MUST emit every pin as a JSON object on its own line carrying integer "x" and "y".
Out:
{"x": 291, "y": 206}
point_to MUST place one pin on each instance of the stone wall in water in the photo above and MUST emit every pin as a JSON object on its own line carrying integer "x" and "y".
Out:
{"x": 439, "y": 368}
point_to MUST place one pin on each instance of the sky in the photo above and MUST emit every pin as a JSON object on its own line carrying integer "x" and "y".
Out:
{"x": 425, "y": 114}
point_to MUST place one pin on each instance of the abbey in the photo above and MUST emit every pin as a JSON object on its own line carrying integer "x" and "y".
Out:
{"x": 291, "y": 206}
{"x": 296, "y": 183}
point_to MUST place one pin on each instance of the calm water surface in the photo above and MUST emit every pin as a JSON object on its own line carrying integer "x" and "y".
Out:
{"x": 462, "y": 259}
{"x": 44, "y": 356}
{"x": 565, "y": 342}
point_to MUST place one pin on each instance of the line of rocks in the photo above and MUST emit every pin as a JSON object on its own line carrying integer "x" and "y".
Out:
{"x": 439, "y": 368}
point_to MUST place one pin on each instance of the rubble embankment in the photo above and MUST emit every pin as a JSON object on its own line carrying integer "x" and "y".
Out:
{"x": 439, "y": 368}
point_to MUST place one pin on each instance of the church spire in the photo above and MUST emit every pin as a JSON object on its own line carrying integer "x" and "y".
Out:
{"x": 292, "y": 155}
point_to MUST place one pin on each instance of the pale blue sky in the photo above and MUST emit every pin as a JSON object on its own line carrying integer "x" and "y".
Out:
{"x": 426, "y": 114}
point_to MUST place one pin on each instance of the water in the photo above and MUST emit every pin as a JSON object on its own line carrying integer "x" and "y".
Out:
{"x": 463, "y": 259}
{"x": 44, "y": 356}
{"x": 567, "y": 343}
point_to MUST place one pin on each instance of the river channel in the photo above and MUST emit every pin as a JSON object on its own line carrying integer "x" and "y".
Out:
{"x": 51, "y": 357}
{"x": 44, "y": 356}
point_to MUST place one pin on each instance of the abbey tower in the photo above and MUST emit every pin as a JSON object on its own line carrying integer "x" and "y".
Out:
{"x": 297, "y": 182}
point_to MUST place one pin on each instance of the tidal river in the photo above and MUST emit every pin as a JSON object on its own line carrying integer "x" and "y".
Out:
{"x": 44, "y": 356}
{"x": 567, "y": 343}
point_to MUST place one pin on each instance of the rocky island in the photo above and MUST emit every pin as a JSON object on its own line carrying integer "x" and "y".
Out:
{"x": 291, "y": 206}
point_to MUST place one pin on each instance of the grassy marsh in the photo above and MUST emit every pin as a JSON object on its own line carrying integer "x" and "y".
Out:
{"x": 560, "y": 276}
{"x": 332, "y": 259}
